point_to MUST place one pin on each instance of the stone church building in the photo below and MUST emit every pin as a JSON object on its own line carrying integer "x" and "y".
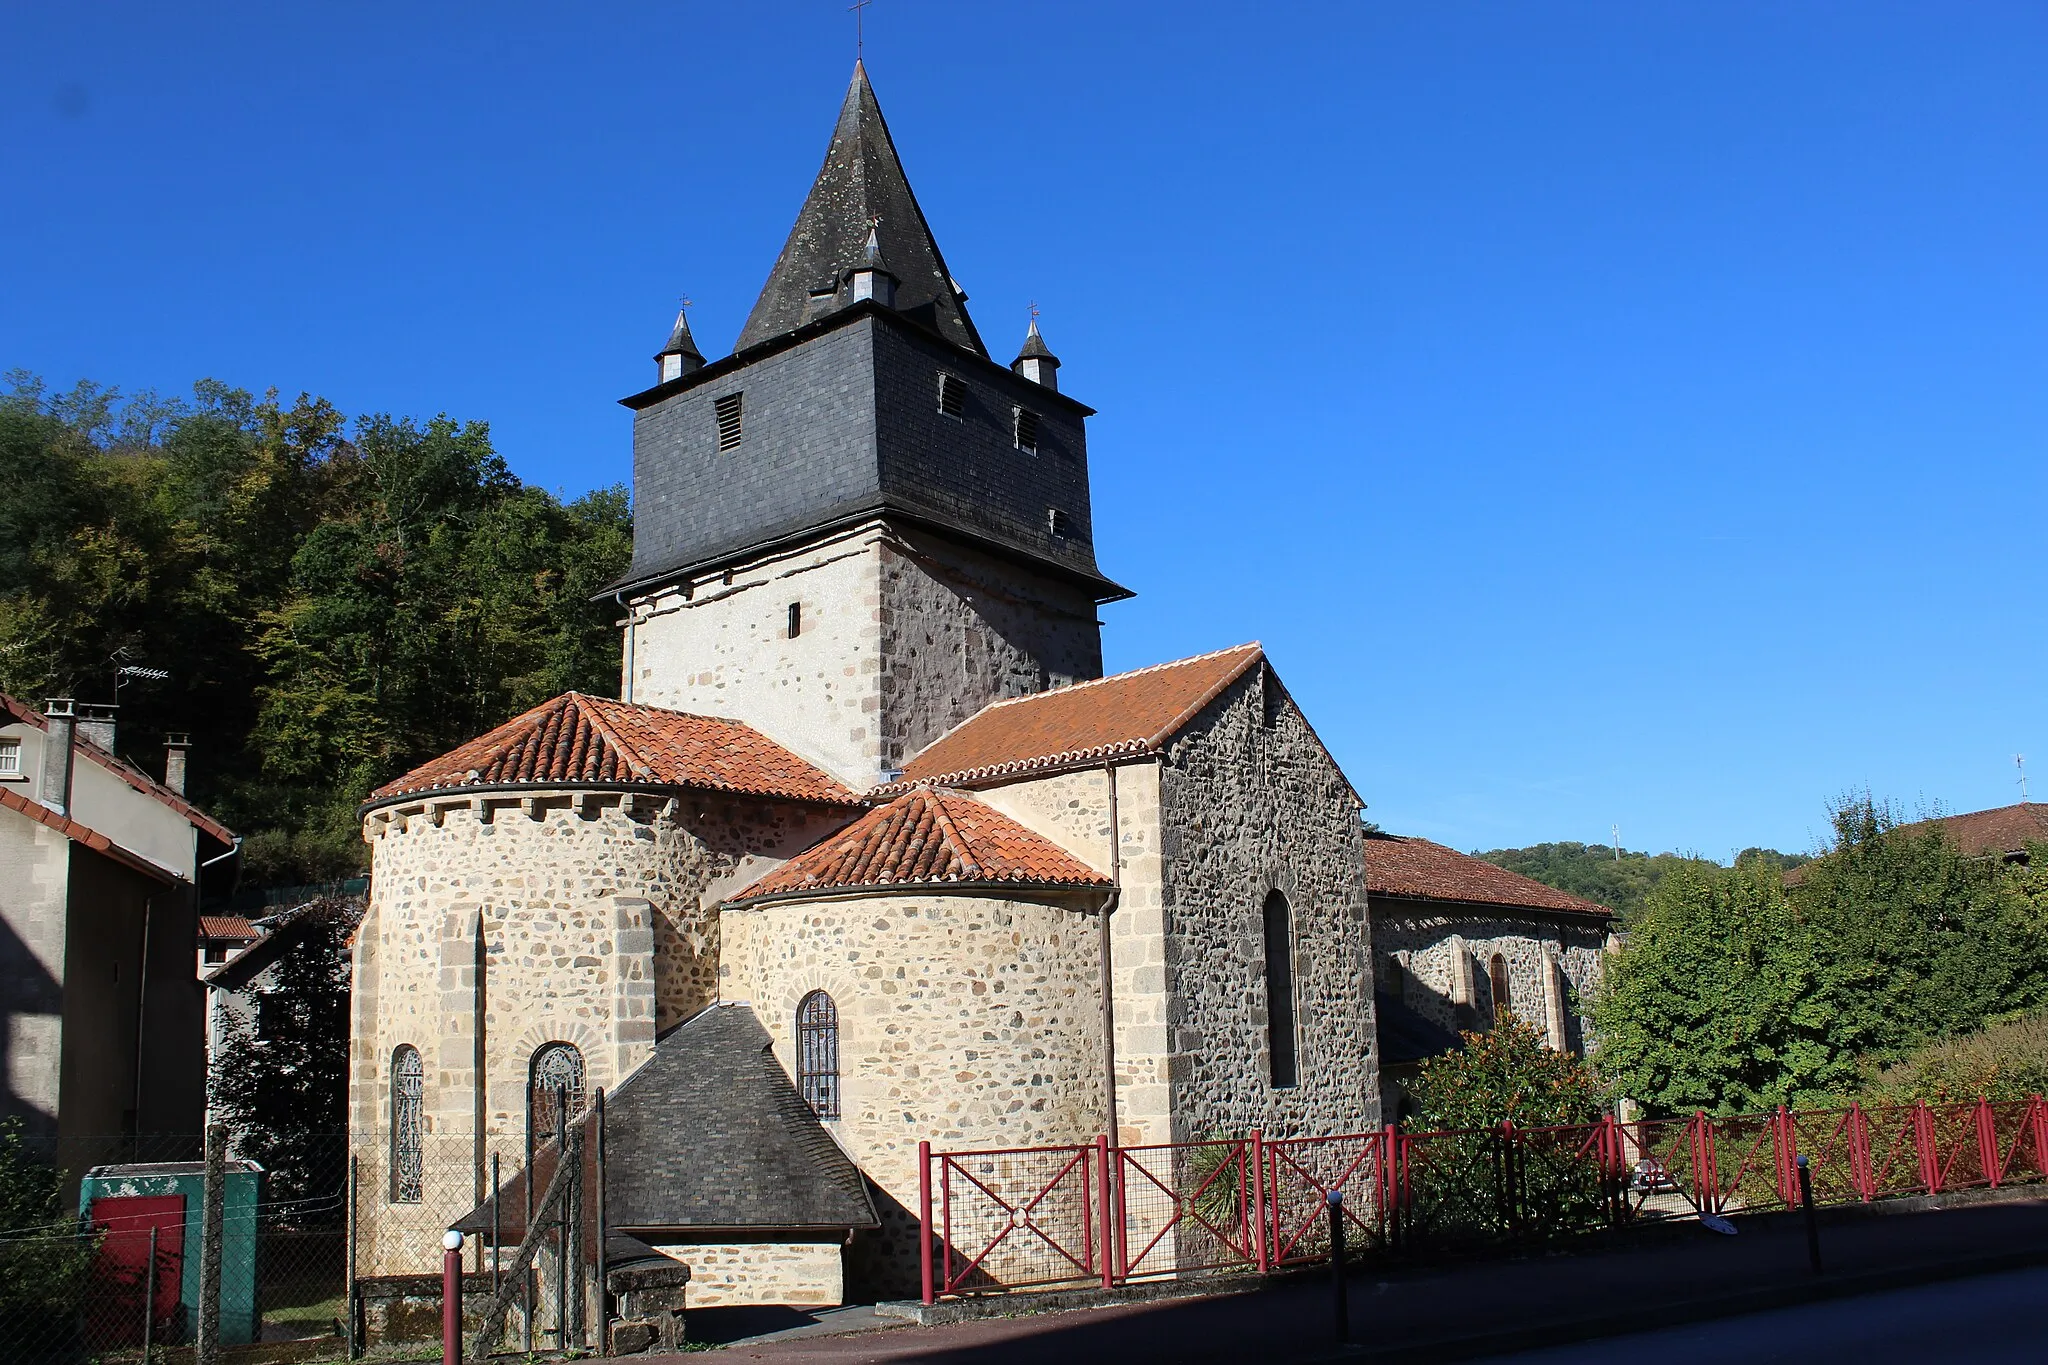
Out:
{"x": 867, "y": 807}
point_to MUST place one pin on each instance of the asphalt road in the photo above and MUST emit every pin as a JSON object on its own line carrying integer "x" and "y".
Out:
{"x": 1988, "y": 1320}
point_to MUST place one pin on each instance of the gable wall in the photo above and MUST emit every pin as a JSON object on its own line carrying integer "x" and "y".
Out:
{"x": 1248, "y": 807}
{"x": 35, "y": 863}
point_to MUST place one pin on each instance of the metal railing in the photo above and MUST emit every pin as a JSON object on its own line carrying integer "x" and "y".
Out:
{"x": 1043, "y": 1217}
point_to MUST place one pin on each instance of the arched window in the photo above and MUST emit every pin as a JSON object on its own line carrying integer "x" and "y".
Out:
{"x": 817, "y": 1053}
{"x": 554, "y": 1087}
{"x": 1497, "y": 978}
{"x": 1280, "y": 990}
{"x": 408, "y": 1085}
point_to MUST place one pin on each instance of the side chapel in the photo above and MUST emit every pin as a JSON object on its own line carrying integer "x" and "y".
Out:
{"x": 868, "y": 851}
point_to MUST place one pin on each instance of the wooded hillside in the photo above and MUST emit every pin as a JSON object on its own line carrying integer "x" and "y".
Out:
{"x": 335, "y": 600}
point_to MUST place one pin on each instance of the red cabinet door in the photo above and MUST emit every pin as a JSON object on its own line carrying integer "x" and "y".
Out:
{"x": 114, "y": 1306}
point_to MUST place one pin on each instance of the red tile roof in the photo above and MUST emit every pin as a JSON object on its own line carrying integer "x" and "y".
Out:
{"x": 576, "y": 740}
{"x": 227, "y": 926}
{"x": 127, "y": 772}
{"x": 928, "y": 838}
{"x": 1417, "y": 869}
{"x": 1127, "y": 713}
{"x": 84, "y": 834}
{"x": 2002, "y": 829}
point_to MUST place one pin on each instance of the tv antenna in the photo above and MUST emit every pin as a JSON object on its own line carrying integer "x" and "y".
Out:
{"x": 1616, "y": 831}
{"x": 2020, "y": 762}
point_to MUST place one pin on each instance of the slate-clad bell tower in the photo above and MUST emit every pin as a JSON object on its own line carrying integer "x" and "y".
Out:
{"x": 857, "y": 529}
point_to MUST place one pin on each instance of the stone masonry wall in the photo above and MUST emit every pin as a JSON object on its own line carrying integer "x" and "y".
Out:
{"x": 1252, "y": 802}
{"x": 969, "y": 1021}
{"x": 722, "y": 1273}
{"x": 35, "y": 863}
{"x": 1419, "y": 939}
{"x": 590, "y": 910}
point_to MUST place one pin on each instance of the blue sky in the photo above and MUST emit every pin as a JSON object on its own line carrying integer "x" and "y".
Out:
{"x": 1605, "y": 413}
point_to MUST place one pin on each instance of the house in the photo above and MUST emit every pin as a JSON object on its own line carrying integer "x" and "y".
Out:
{"x": 1459, "y": 942}
{"x": 100, "y": 870}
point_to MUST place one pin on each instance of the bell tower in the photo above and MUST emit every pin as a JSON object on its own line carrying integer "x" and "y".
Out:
{"x": 858, "y": 529}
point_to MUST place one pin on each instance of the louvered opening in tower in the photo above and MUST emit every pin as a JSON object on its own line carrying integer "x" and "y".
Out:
{"x": 952, "y": 395}
{"x": 728, "y": 411}
{"x": 1027, "y": 431}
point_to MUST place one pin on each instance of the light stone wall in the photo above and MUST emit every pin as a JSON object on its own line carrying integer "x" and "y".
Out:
{"x": 1425, "y": 941}
{"x": 591, "y": 911}
{"x": 810, "y": 1274}
{"x": 969, "y": 1021}
{"x": 34, "y": 872}
{"x": 902, "y": 638}
{"x": 1252, "y": 802}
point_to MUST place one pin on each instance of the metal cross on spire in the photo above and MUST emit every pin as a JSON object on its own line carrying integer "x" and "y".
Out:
{"x": 857, "y": 10}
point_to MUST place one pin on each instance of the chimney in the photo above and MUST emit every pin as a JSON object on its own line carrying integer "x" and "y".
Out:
{"x": 60, "y": 717}
{"x": 96, "y": 723}
{"x": 176, "y": 746}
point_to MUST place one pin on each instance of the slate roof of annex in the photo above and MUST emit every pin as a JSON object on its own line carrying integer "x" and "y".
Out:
{"x": 928, "y": 838}
{"x": 1416, "y": 869}
{"x": 709, "y": 1132}
{"x": 1124, "y": 714}
{"x": 126, "y": 771}
{"x": 577, "y": 740}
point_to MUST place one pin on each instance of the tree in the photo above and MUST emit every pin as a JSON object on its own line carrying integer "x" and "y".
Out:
{"x": 280, "y": 1080}
{"x": 44, "y": 1258}
{"x": 1593, "y": 871}
{"x": 1723, "y": 1000}
{"x": 1505, "y": 1075}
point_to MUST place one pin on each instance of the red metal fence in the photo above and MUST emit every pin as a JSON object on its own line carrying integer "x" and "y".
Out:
{"x": 1041, "y": 1216}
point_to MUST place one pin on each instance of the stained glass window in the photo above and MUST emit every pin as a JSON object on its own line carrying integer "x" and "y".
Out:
{"x": 408, "y": 1084}
{"x": 555, "y": 1077}
{"x": 817, "y": 1053}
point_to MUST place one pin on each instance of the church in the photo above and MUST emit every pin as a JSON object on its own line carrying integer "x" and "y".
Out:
{"x": 867, "y": 851}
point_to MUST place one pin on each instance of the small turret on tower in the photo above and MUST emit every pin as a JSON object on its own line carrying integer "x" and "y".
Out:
{"x": 680, "y": 356}
{"x": 1036, "y": 362}
{"x": 872, "y": 278}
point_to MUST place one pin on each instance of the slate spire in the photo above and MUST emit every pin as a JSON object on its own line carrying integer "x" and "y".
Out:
{"x": 1035, "y": 361}
{"x": 681, "y": 355}
{"x": 860, "y": 190}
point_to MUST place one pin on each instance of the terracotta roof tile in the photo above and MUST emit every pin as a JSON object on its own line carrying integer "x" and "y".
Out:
{"x": 126, "y": 771}
{"x": 84, "y": 834}
{"x": 227, "y": 926}
{"x": 577, "y": 739}
{"x": 1126, "y": 713}
{"x": 2002, "y": 829}
{"x": 928, "y": 838}
{"x": 1420, "y": 870}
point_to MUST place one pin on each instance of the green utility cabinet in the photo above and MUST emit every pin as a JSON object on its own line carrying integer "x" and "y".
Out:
{"x": 126, "y": 1200}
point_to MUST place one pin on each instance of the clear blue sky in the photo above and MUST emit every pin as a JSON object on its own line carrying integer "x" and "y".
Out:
{"x": 1604, "y": 413}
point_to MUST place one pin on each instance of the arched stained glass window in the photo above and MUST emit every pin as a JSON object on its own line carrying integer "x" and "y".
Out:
{"x": 408, "y": 1086}
{"x": 1497, "y": 979}
{"x": 817, "y": 1053}
{"x": 554, "y": 1088}
{"x": 1280, "y": 990}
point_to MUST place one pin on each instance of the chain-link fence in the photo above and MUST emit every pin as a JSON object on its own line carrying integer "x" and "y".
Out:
{"x": 100, "y": 1255}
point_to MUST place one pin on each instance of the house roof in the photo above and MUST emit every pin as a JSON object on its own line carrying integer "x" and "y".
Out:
{"x": 126, "y": 771}
{"x": 84, "y": 834}
{"x": 227, "y": 926}
{"x": 1124, "y": 714}
{"x": 928, "y": 838}
{"x": 2002, "y": 829}
{"x": 1416, "y": 869}
{"x": 578, "y": 740}
{"x": 860, "y": 188}
{"x": 709, "y": 1133}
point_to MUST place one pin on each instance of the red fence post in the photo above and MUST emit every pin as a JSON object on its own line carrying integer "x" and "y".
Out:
{"x": 1102, "y": 1155}
{"x": 924, "y": 1216}
{"x": 1924, "y": 1143}
{"x": 1390, "y": 1184}
{"x": 451, "y": 1298}
{"x": 1859, "y": 1153}
{"x": 2037, "y": 1115}
{"x": 1987, "y": 1141}
{"x": 1261, "y": 1252}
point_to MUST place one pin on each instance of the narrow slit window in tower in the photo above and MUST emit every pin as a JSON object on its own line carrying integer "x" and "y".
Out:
{"x": 1280, "y": 991}
{"x": 728, "y": 410}
{"x": 408, "y": 1085}
{"x": 796, "y": 619}
{"x": 1497, "y": 982}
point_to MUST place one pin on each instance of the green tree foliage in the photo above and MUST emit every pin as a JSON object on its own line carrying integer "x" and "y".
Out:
{"x": 2006, "y": 1061}
{"x": 43, "y": 1257}
{"x": 1621, "y": 884}
{"x": 1507, "y": 1074}
{"x": 280, "y": 1079}
{"x": 333, "y": 605}
{"x": 1735, "y": 993}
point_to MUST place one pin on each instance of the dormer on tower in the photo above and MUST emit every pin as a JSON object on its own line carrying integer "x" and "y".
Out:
{"x": 839, "y": 535}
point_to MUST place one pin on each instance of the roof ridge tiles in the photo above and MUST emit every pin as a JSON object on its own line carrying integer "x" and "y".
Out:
{"x": 623, "y": 748}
